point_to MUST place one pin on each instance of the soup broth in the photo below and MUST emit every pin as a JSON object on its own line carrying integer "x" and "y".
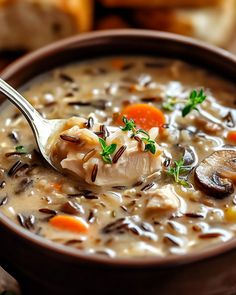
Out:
{"x": 186, "y": 204}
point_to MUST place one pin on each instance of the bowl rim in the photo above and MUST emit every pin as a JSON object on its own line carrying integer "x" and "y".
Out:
{"x": 79, "y": 255}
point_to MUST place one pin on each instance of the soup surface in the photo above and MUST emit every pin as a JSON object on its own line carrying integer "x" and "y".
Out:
{"x": 163, "y": 185}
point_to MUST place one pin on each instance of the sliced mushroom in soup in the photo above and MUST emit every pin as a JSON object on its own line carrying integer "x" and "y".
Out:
{"x": 147, "y": 156}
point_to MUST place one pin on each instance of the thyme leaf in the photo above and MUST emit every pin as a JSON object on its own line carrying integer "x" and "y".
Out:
{"x": 107, "y": 150}
{"x": 21, "y": 149}
{"x": 195, "y": 98}
{"x": 149, "y": 144}
{"x": 176, "y": 170}
{"x": 130, "y": 126}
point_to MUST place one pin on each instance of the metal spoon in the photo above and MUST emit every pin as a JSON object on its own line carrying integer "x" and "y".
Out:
{"x": 41, "y": 127}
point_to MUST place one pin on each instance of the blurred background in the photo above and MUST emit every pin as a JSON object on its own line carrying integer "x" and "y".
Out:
{"x": 29, "y": 24}
{"x": 26, "y": 25}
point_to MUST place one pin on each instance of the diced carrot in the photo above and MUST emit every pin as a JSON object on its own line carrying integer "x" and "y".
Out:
{"x": 117, "y": 63}
{"x": 57, "y": 186}
{"x": 70, "y": 223}
{"x": 145, "y": 116}
{"x": 231, "y": 136}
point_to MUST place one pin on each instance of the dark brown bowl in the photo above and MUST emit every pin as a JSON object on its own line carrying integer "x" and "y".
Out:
{"x": 43, "y": 267}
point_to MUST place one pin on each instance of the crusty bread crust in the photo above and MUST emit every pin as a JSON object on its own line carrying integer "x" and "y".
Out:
{"x": 82, "y": 10}
{"x": 159, "y": 3}
{"x": 29, "y": 24}
{"x": 163, "y": 20}
{"x": 212, "y": 24}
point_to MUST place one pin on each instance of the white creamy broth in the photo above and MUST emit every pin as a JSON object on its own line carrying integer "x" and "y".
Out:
{"x": 152, "y": 213}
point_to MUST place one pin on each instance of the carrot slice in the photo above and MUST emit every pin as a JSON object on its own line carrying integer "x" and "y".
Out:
{"x": 57, "y": 186}
{"x": 117, "y": 63}
{"x": 231, "y": 136}
{"x": 69, "y": 223}
{"x": 145, "y": 116}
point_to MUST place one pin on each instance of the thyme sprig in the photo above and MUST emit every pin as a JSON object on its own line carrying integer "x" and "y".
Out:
{"x": 176, "y": 170}
{"x": 195, "y": 98}
{"x": 107, "y": 150}
{"x": 131, "y": 126}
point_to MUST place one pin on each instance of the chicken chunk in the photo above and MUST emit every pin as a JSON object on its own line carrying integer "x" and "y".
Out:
{"x": 78, "y": 150}
{"x": 162, "y": 199}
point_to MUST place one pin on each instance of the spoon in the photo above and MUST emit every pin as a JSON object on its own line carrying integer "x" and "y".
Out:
{"x": 42, "y": 128}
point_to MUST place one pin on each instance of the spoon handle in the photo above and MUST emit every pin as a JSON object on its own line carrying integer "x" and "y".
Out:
{"x": 19, "y": 101}
{"x": 32, "y": 116}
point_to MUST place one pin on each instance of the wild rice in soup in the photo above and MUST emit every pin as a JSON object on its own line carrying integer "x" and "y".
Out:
{"x": 147, "y": 154}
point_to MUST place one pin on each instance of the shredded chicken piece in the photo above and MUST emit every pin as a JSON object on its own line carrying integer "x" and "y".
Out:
{"x": 83, "y": 157}
{"x": 162, "y": 199}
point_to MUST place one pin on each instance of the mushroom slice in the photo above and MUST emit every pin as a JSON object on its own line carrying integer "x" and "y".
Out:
{"x": 216, "y": 174}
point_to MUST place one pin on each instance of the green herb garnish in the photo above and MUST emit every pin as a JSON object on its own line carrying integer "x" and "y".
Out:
{"x": 176, "y": 170}
{"x": 170, "y": 103}
{"x": 107, "y": 150}
{"x": 149, "y": 143}
{"x": 21, "y": 149}
{"x": 130, "y": 126}
{"x": 194, "y": 99}
{"x": 7, "y": 293}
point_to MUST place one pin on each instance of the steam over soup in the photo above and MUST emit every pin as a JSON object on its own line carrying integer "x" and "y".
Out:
{"x": 147, "y": 154}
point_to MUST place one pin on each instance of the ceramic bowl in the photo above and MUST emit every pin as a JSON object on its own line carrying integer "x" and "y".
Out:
{"x": 43, "y": 267}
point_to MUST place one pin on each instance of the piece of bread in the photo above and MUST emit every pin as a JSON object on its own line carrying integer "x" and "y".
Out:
{"x": 158, "y": 3}
{"x": 29, "y": 24}
{"x": 212, "y": 24}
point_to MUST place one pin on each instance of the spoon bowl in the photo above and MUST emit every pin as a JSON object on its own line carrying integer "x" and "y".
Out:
{"x": 42, "y": 128}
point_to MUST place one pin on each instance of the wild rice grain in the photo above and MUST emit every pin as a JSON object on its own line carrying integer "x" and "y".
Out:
{"x": 104, "y": 131}
{"x": 66, "y": 78}
{"x": 73, "y": 242}
{"x": 148, "y": 186}
{"x": 79, "y": 103}
{"x": 2, "y": 184}
{"x": 30, "y": 222}
{"x": 94, "y": 172}
{"x": 90, "y": 123}
{"x": 194, "y": 215}
{"x": 170, "y": 239}
{"x": 119, "y": 187}
{"x": 140, "y": 182}
{"x": 18, "y": 166}
{"x": 151, "y": 99}
{"x": 128, "y": 66}
{"x": 48, "y": 211}
{"x": 4, "y": 201}
{"x": 69, "y": 138}
{"x": 124, "y": 208}
{"x": 91, "y": 217}
{"x": 210, "y": 235}
{"x": 118, "y": 154}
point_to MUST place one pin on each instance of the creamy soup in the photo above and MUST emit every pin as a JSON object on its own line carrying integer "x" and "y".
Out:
{"x": 147, "y": 158}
